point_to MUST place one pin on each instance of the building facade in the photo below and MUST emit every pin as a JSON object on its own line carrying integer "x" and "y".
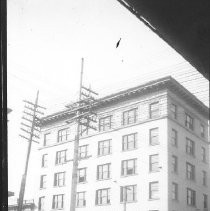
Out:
{"x": 151, "y": 150}
{"x": 28, "y": 205}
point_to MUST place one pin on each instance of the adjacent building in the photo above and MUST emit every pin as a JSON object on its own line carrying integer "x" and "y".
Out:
{"x": 28, "y": 205}
{"x": 151, "y": 149}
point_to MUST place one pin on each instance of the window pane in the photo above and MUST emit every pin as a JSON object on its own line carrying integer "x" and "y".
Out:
{"x": 154, "y": 110}
{"x": 104, "y": 147}
{"x": 154, "y": 139}
{"x": 174, "y": 137}
{"x": 105, "y": 123}
{"x": 188, "y": 121}
{"x": 63, "y": 135}
{"x": 174, "y": 111}
{"x": 154, "y": 162}
{"x": 129, "y": 117}
{"x": 154, "y": 190}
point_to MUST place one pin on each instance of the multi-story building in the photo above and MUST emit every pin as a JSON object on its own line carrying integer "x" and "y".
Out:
{"x": 151, "y": 149}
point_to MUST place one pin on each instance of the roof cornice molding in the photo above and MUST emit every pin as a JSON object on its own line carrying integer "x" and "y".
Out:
{"x": 146, "y": 88}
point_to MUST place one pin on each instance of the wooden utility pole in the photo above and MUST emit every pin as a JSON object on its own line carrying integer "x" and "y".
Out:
{"x": 84, "y": 117}
{"x": 31, "y": 129}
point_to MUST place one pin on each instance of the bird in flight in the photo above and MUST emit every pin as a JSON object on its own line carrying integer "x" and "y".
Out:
{"x": 118, "y": 43}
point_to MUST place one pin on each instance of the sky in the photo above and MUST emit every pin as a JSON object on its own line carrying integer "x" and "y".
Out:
{"x": 46, "y": 41}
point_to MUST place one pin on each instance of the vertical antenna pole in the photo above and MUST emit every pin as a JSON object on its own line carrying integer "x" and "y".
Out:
{"x": 23, "y": 181}
{"x": 76, "y": 147}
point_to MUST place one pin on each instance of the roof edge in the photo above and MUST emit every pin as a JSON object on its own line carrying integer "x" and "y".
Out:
{"x": 168, "y": 81}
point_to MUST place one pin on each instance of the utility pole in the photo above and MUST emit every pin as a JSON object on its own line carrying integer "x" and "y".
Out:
{"x": 84, "y": 116}
{"x": 31, "y": 128}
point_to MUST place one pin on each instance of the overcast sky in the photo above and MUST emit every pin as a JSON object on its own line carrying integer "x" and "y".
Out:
{"x": 46, "y": 41}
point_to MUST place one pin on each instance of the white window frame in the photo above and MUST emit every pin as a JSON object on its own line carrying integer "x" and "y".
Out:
{"x": 58, "y": 201}
{"x": 204, "y": 178}
{"x": 83, "y": 151}
{"x": 191, "y": 197}
{"x": 82, "y": 175}
{"x": 205, "y": 201}
{"x": 44, "y": 160}
{"x": 203, "y": 154}
{"x": 202, "y": 128}
{"x": 129, "y": 116}
{"x": 153, "y": 136}
{"x": 61, "y": 157}
{"x": 126, "y": 169}
{"x": 80, "y": 199}
{"x": 129, "y": 142}
{"x": 128, "y": 193}
{"x": 43, "y": 181}
{"x": 174, "y": 164}
{"x": 175, "y": 189}
{"x": 104, "y": 171}
{"x": 154, "y": 110}
{"x": 189, "y": 121}
{"x": 105, "y": 123}
{"x": 173, "y": 109}
{"x": 154, "y": 164}
{"x": 41, "y": 205}
{"x": 103, "y": 196}
{"x": 63, "y": 135}
{"x": 59, "y": 179}
{"x": 154, "y": 190}
{"x": 190, "y": 171}
{"x": 46, "y": 139}
{"x": 104, "y": 147}
{"x": 190, "y": 147}
{"x": 174, "y": 137}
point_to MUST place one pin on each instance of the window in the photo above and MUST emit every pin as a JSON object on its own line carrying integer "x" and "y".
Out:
{"x": 202, "y": 131}
{"x": 154, "y": 110}
{"x": 59, "y": 179}
{"x": 84, "y": 130}
{"x": 103, "y": 196}
{"x": 188, "y": 121}
{"x": 46, "y": 139}
{"x": 43, "y": 181}
{"x": 103, "y": 171}
{"x": 128, "y": 193}
{"x": 205, "y": 201}
{"x": 154, "y": 190}
{"x": 174, "y": 138}
{"x": 191, "y": 197}
{"x": 41, "y": 203}
{"x": 203, "y": 151}
{"x": 129, "y": 117}
{"x": 60, "y": 157}
{"x": 104, "y": 147}
{"x": 128, "y": 167}
{"x": 190, "y": 171}
{"x": 80, "y": 199}
{"x": 58, "y": 201}
{"x": 174, "y": 164}
{"x": 83, "y": 151}
{"x": 63, "y": 135}
{"x": 174, "y": 191}
{"x": 154, "y": 163}
{"x": 44, "y": 160}
{"x": 82, "y": 175}
{"x": 204, "y": 178}
{"x": 174, "y": 111}
{"x": 190, "y": 147}
{"x": 105, "y": 123}
{"x": 129, "y": 141}
{"x": 154, "y": 139}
